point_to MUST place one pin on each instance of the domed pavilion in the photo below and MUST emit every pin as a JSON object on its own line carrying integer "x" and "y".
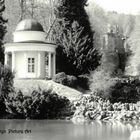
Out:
{"x": 30, "y": 56}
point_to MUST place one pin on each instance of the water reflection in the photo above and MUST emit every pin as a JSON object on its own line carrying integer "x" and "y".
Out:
{"x": 66, "y": 130}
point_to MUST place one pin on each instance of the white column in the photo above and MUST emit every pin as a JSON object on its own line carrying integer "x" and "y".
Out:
{"x": 49, "y": 66}
{"x": 6, "y": 59}
{"x": 39, "y": 60}
{"x": 25, "y": 64}
{"x": 13, "y": 61}
{"x": 54, "y": 64}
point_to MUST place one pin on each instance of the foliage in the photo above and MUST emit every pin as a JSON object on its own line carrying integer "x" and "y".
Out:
{"x": 83, "y": 81}
{"x": 126, "y": 90}
{"x": 98, "y": 18}
{"x": 16, "y": 10}
{"x": 2, "y": 29}
{"x": 67, "y": 10}
{"x": 99, "y": 21}
{"x": 133, "y": 50}
{"x": 113, "y": 52}
{"x": 39, "y": 105}
{"x": 110, "y": 62}
{"x": 74, "y": 52}
{"x": 64, "y": 79}
{"x": 6, "y": 80}
{"x": 122, "y": 89}
{"x": 60, "y": 78}
{"x": 124, "y": 22}
{"x": 2, "y": 107}
{"x": 95, "y": 108}
{"x": 75, "y": 38}
{"x": 72, "y": 81}
{"x": 102, "y": 83}
{"x": 121, "y": 27}
{"x": 6, "y": 86}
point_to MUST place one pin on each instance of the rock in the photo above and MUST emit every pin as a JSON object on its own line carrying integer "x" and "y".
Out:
{"x": 80, "y": 119}
{"x": 129, "y": 114}
{"x": 119, "y": 117}
{"x": 135, "y": 118}
{"x": 103, "y": 114}
{"x": 99, "y": 117}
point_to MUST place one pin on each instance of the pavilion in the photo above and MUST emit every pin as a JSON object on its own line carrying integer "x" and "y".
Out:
{"x": 30, "y": 56}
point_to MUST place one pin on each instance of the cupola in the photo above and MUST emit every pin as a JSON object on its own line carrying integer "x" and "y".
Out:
{"x": 29, "y": 30}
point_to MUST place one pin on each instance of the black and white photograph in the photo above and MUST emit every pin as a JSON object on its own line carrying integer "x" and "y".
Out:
{"x": 69, "y": 70}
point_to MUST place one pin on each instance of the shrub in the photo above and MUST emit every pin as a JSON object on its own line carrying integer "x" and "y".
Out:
{"x": 123, "y": 89}
{"x": 60, "y": 78}
{"x": 71, "y": 81}
{"x": 102, "y": 83}
{"x": 40, "y": 105}
{"x": 126, "y": 90}
{"x": 6, "y": 80}
{"x": 67, "y": 80}
{"x": 2, "y": 107}
{"x": 6, "y": 86}
{"x": 83, "y": 81}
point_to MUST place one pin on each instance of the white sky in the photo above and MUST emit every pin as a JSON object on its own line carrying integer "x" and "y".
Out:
{"x": 121, "y": 6}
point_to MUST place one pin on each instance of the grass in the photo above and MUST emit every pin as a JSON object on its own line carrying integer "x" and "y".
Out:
{"x": 27, "y": 86}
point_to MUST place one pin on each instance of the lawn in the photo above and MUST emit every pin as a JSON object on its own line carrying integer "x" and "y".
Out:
{"x": 27, "y": 86}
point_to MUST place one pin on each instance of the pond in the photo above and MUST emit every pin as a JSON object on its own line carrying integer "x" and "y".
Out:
{"x": 64, "y": 130}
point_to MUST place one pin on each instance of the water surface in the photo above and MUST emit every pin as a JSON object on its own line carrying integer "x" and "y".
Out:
{"x": 64, "y": 130}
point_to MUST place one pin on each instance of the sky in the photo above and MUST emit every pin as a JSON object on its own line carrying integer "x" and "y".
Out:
{"x": 121, "y": 6}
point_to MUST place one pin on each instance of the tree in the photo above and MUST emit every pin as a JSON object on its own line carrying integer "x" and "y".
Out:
{"x": 73, "y": 58}
{"x": 99, "y": 22}
{"x": 133, "y": 42}
{"x": 2, "y": 29}
{"x": 22, "y": 4}
{"x": 17, "y": 10}
{"x": 80, "y": 56}
{"x": 14, "y": 15}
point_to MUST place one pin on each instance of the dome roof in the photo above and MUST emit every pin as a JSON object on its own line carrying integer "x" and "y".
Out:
{"x": 29, "y": 25}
